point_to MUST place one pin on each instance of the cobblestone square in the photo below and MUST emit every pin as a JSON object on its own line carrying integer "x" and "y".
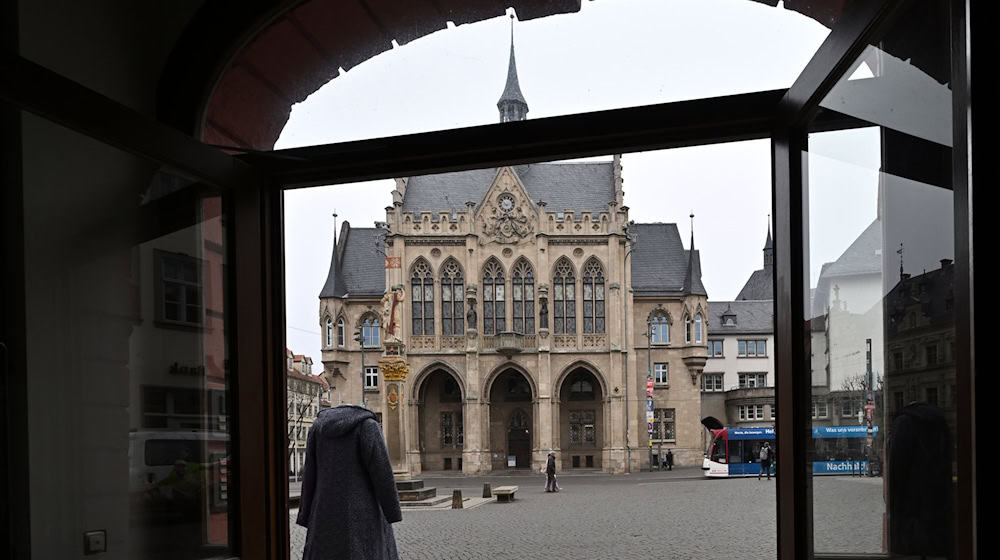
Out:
{"x": 674, "y": 514}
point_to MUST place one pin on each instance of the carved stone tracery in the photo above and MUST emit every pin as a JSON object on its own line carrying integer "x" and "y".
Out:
{"x": 509, "y": 216}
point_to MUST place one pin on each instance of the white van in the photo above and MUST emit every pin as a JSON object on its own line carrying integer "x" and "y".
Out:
{"x": 153, "y": 453}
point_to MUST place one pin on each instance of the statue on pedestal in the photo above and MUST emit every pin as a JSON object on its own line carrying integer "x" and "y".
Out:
{"x": 391, "y": 311}
{"x": 470, "y": 317}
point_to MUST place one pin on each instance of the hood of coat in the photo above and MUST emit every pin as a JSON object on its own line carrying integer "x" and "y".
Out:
{"x": 337, "y": 421}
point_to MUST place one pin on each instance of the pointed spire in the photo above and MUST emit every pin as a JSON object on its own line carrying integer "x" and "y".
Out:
{"x": 768, "y": 246}
{"x": 689, "y": 276}
{"x": 335, "y": 285}
{"x": 512, "y": 105}
{"x": 692, "y": 230}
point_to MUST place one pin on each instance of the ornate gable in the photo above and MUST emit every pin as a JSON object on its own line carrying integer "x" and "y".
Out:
{"x": 506, "y": 214}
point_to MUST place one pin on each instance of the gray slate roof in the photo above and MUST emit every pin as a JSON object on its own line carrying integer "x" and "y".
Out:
{"x": 660, "y": 262}
{"x": 752, "y": 317}
{"x": 759, "y": 286}
{"x": 859, "y": 259}
{"x": 579, "y": 187}
{"x": 356, "y": 267}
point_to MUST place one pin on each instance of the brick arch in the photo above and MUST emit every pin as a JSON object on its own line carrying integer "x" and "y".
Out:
{"x": 234, "y": 75}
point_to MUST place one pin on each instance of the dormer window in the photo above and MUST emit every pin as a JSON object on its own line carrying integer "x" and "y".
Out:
{"x": 728, "y": 317}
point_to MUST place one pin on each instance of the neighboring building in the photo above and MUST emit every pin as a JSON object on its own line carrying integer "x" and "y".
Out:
{"x": 847, "y": 313}
{"x": 183, "y": 384}
{"x": 738, "y": 382}
{"x": 920, "y": 342}
{"x": 514, "y": 322}
{"x": 305, "y": 396}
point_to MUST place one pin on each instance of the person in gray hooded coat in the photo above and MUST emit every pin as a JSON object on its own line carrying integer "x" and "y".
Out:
{"x": 349, "y": 497}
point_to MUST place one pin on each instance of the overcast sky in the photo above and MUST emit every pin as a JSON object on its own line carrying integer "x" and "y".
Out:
{"x": 609, "y": 55}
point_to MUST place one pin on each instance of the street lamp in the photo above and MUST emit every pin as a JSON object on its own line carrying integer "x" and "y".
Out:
{"x": 649, "y": 375}
{"x": 359, "y": 335}
{"x": 633, "y": 238}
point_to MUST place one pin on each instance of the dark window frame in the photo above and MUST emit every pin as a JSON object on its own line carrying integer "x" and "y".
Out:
{"x": 254, "y": 201}
{"x": 160, "y": 315}
{"x": 522, "y": 287}
{"x": 452, "y": 298}
{"x": 422, "y": 309}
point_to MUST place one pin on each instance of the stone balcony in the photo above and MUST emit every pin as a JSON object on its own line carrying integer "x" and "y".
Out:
{"x": 437, "y": 343}
{"x": 510, "y": 343}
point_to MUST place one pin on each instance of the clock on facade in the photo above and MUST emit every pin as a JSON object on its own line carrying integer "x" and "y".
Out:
{"x": 506, "y": 203}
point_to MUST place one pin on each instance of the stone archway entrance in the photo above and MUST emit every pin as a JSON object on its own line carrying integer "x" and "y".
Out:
{"x": 441, "y": 427}
{"x": 511, "y": 421}
{"x": 581, "y": 419}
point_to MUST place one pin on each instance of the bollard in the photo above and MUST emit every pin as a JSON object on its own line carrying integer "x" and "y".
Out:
{"x": 456, "y": 499}
{"x": 487, "y": 491}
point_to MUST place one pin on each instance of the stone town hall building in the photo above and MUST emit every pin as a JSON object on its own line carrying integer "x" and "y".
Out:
{"x": 526, "y": 296}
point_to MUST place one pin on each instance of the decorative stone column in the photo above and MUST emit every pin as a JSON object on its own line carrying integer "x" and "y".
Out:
{"x": 394, "y": 370}
{"x": 475, "y": 460}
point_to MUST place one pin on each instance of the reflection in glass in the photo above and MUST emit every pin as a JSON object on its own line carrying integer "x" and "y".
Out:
{"x": 129, "y": 396}
{"x": 881, "y": 312}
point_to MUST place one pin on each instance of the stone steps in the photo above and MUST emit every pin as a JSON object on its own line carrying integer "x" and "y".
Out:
{"x": 429, "y": 502}
{"x": 409, "y": 484}
{"x": 413, "y": 491}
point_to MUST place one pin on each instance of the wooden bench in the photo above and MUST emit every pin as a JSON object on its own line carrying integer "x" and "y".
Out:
{"x": 505, "y": 493}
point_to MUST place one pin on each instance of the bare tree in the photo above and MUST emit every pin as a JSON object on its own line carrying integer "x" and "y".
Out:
{"x": 299, "y": 405}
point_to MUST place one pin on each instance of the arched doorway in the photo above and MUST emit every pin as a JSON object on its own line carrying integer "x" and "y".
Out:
{"x": 511, "y": 421}
{"x": 581, "y": 418}
{"x": 441, "y": 428}
{"x": 519, "y": 439}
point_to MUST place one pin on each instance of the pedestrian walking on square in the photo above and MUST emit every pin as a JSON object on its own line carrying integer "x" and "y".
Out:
{"x": 550, "y": 473}
{"x": 765, "y": 460}
{"x": 670, "y": 460}
{"x": 349, "y": 498}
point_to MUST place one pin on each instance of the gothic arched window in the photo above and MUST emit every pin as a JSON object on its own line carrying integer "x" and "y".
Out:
{"x": 698, "y": 323}
{"x": 523, "y": 288}
{"x": 494, "y": 319}
{"x": 329, "y": 332}
{"x": 422, "y": 296}
{"x": 340, "y": 331}
{"x": 593, "y": 296}
{"x": 659, "y": 328}
{"x": 563, "y": 298}
{"x": 687, "y": 328}
{"x": 452, "y": 298}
